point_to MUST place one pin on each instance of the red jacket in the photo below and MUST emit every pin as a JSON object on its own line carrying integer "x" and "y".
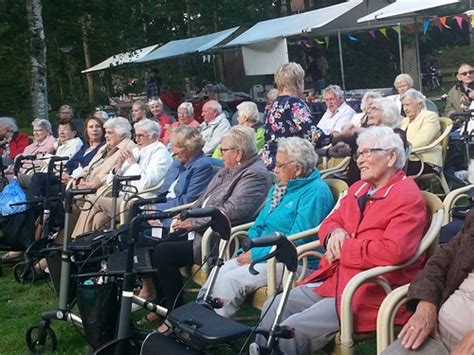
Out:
{"x": 18, "y": 144}
{"x": 389, "y": 233}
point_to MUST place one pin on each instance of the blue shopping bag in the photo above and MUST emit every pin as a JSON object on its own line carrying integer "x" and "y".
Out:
{"x": 12, "y": 193}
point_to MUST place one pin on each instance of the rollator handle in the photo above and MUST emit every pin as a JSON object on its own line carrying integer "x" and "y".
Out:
{"x": 117, "y": 182}
{"x": 285, "y": 251}
{"x": 19, "y": 160}
{"x": 75, "y": 192}
{"x": 53, "y": 160}
{"x": 135, "y": 209}
{"x": 220, "y": 224}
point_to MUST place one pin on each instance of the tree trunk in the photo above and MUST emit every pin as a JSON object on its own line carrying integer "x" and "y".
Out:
{"x": 39, "y": 88}
{"x": 85, "y": 25}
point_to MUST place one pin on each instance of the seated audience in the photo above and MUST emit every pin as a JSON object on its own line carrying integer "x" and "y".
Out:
{"x": 239, "y": 190}
{"x": 462, "y": 94}
{"x": 338, "y": 113}
{"x": 215, "y": 125}
{"x": 12, "y": 141}
{"x": 289, "y": 115}
{"x": 247, "y": 115}
{"x": 402, "y": 83}
{"x": 93, "y": 140}
{"x": 441, "y": 297}
{"x": 158, "y": 114}
{"x": 422, "y": 127}
{"x": 380, "y": 222}
{"x": 185, "y": 118}
{"x": 300, "y": 200}
{"x": 360, "y": 119}
{"x": 149, "y": 159}
{"x": 66, "y": 112}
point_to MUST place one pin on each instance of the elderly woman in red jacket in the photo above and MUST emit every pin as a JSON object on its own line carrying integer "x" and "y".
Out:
{"x": 12, "y": 141}
{"x": 380, "y": 222}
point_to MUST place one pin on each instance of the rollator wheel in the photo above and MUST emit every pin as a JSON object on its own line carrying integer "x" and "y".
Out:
{"x": 23, "y": 272}
{"x": 41, "y": 339}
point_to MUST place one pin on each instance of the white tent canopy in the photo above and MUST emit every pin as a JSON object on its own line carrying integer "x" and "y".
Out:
{"x": 187, "y": 46}
{"x": 408, "y": 8}
{"x": 121, "y": 58}
{"x": 293, "y": 25}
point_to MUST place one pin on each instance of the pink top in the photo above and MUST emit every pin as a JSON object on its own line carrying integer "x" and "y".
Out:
{"x": 167, "y": 137}
{"x": 39, "y": 149}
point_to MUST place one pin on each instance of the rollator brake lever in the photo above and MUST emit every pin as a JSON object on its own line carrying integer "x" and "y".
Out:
{"x": 266, "y": 257}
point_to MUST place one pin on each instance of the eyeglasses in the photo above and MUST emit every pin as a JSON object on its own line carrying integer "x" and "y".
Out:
{"x": 367, "y": 153}
{"x": 223, "y": 150}
{"x": 38, "y": 130}
{"x": 281, "y": 166}
{"x": 466, "y": 73}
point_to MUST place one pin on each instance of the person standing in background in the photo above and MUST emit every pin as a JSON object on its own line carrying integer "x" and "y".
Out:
{"x": 153, "y": 84}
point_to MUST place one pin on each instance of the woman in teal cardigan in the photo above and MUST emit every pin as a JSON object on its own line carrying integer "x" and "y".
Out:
{"x": 300, "y": 200}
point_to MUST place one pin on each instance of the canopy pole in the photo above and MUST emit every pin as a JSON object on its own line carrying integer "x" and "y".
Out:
{"x": 341, "y": 61}
{"x": 418, "y": 67}
{"x": 400, "y": 49}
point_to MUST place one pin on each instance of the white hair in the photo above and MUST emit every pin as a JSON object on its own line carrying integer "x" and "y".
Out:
{"x": 9, "y": 123}
{"x": 215, "y": 106}
{"x": 391, "y": 114}
{"x": 403, "y": 77}
{"x": 155, "y": 102}
{"x": 151, "y": 127}
{"x": 368, "y": 95}
{"x": 415, "y": 96}
{"x": 384, "y": 138}
{"x": 120, "y": 126}
{"x": 188, "y": 107}
{"x": 300, "y": 151}
{"x": 249, "y": 110}
{"x": 42, "y": 123}
{"x": 242, "y": 137}
{"x": 336, "y": 89}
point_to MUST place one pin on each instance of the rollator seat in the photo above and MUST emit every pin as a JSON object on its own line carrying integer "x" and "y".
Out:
{"x": 157, "y": 343}
{"x": 205, "y": 327}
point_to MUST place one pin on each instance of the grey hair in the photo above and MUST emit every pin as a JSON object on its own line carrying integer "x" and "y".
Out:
{"x": 289, "y": 75}
{"x": 391, "y": 114}
{"x": 189, "y": 138}
{"x": 151, "y": 127}
{"x": 415, "y": 96}
{"x": 188, "y": 107}
{"x": 242, "y": 137}
{"x": 102, "y": 115}
{"x": 384, "y": 138}
{"x": 300, "y": 151}
{"x": 272, "y": 95}
{"x": 155, "y": 102}
{"x": 9, "y": 123}
{"x": 249, "y": 110}
{"x": 44, "y": 124}
{"x": 66, "y": 107}
{"x": 140, "y": 103}
{"x": 336, "y": 89}
{"x": 369, "y": 95}
{"x": 120, "y": 126}
{"x": 215, "y": 105}
{"x": 403, "y": 77}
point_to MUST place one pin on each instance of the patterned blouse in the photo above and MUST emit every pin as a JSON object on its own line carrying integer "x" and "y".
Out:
{"x": 288, "y": 117}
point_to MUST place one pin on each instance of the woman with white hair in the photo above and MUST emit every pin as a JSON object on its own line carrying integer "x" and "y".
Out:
{"x": 422, "y": 127}
{"x": 300, "y": 200}
{"x": 379, "y": 222}
{"x": 12, "y": 141}
{"x": 158, "y": 114}
{"x": 185, "y": 118}
{"x": 238, "y": 190}
{"x": 289, "y": 115}
{"x": 150, "y": 159}
{"x": 402, "y": 83}
{"x": 360, "y": 119}
{"x": 247, "y": 115}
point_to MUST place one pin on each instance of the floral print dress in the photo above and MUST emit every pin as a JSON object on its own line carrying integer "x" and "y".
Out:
{"x": 288, "y": 117}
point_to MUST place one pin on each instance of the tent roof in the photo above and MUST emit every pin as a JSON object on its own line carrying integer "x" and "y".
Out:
{"x": 407, "y": 8}
{"x": 188, "y": 46}
{"x": 121, "y": 58}
{"x": 294, "y": 24}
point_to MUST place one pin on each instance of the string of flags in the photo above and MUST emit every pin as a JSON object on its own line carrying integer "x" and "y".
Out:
{"x": 439, "y": 22}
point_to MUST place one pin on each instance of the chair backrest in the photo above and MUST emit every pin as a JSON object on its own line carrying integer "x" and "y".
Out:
{"x": 430, "y": 240}
{"x": 338, "y": 188}
{"x": 452, "y": 198}
{"x": 446, "y": 127}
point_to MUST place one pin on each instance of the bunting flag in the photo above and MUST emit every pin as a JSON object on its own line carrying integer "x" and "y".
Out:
{"x": 352, "y": 37}
{"x": 319, "y": 41}
{"x": 459, "y": 21}
{"x": 442, "y": 21}
{"x": 410, "y": 27}
{"x": 396, "y": 29}
{"x": 472, "y": 21}
{"x": 426, "y": 25}
{"x": 372, "y": 33}
{"x": 437, "y": 23}
{"x": 326, "y": 39}
{"x": 384, "y": 32}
